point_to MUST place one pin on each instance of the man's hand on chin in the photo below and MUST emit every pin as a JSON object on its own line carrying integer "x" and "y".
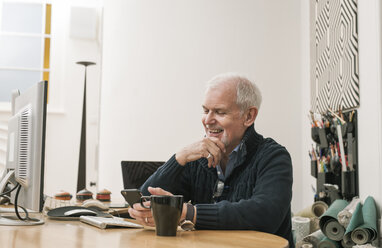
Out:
{"x": 210, "y": 148}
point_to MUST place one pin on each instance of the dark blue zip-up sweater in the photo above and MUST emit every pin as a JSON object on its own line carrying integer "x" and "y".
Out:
{"x": 256, "y": 195}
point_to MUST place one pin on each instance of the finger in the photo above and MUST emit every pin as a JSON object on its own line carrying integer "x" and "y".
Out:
{"x": 215, "y": 152}
{"x": 148, "y": 221}
{"x": 138, "y": 206}
{"x": 132, "y": 213}
{"x": 218, "y": 143}
{"x": 210, "y": 159}
{"x": 158, "y": 191}
{"x": 136, "y": 214}
{"x": 215, "y": 159}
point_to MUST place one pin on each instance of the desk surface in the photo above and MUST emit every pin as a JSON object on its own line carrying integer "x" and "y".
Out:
{"x": 58, "y": 234}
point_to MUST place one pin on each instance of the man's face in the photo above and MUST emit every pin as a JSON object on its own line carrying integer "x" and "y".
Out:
{"x": 222, "y": 118}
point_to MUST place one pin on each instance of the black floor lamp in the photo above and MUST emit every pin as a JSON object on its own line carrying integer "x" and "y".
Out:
{"x": 81, "y": 179}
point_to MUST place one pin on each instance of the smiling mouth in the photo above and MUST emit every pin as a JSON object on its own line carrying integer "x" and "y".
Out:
{"x": 215, "y": 131}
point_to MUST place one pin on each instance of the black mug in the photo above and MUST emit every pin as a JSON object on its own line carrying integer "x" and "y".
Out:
{"x": 166, "y": 210}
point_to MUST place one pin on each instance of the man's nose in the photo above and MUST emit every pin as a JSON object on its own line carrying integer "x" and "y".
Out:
{"x": 210, "y": 118}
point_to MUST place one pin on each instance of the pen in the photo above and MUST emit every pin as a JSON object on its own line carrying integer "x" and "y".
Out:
{"x": 339, "y": 118}
{"x": 351, "y": 116}
{"x": 341, "y": 144}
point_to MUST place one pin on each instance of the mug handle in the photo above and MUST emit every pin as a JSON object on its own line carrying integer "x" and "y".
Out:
{"x": 143, "y": 199}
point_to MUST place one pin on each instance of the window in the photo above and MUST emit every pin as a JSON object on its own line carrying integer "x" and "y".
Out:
{"x": 24, "y": 45}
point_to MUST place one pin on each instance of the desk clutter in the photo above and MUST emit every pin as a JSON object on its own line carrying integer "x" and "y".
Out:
{"x": 334, "y": 160}
{"x": 96, "y": 212}
{"x": 343, "y": 224}
{"x": 84, "y": 198}
{"x": 75, "y": 212}
{"x": 61, "y": 206}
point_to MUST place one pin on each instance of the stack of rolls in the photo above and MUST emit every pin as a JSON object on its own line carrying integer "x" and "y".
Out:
{"x": 314, "y": 212}
{"x": 326, "y": 224}
{"x": 362, "y": 228}
{"x": 329, "y": 224}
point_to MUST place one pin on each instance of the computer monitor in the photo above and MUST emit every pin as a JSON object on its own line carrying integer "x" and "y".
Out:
{"x": 26, "y": 153}
{"x": 135, "y": 173}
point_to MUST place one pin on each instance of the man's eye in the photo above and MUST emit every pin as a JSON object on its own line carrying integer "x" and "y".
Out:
{"x": 205, "y": 111}
{"x": 220, "y": 112}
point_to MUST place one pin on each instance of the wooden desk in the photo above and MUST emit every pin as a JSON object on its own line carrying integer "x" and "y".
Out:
{"x": 75, "y": 234}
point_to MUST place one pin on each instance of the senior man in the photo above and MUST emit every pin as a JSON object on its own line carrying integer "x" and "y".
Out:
{"x": 234, "y": 178}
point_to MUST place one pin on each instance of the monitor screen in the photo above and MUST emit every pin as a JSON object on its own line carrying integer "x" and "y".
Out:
{"x": 26, "y": 147}
{"x": 135, "y": 173}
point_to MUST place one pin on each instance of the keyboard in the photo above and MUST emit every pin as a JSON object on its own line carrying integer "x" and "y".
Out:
{"x": 51, "y": 203}
{"x": 103, "y": 223}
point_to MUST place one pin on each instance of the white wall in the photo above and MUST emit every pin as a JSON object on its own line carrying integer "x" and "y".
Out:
{"x": 65, "y": 100}
{"x": 157, "y": 56}
{"x": 307, "y": 181}
{"x": 370, "y": 66}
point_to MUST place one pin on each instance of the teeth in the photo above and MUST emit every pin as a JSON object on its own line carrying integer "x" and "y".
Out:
{"x": 215, "y": 131}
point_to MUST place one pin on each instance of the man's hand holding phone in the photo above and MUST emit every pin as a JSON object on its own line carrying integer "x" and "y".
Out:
{"x": 136, "y": 211}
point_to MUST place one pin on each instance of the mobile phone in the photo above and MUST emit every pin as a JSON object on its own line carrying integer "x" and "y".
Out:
{"x": 132, "y": 196}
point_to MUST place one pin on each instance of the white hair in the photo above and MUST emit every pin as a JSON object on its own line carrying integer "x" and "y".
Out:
{"x": 247, "y": 93}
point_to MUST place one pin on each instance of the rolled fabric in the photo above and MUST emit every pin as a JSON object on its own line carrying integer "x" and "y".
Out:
{"x": 361, "y": 236}
{"x": 355, "y": 221}
{"x": 328, "y": 243}
{"x": 314, "y": 238}
{"x": 345, "y": 215}
{"x": 301, "y": 244}
{"x": 334, "y": 230}
{"x": 366, "y": 232}
{"x": 364, "y": 246}
{"x": 328, "y": 221}
{"x": 307, "y": 246}
{"x": 313, "y": 212}
{"x": 346, "y": 242}
{"x": 314, "y": 224}
{"x": 317, "y": 209}
{"x": 300, "y": 225}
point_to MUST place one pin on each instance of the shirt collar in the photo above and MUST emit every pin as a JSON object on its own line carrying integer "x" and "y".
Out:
{"x": 234, "y": 159}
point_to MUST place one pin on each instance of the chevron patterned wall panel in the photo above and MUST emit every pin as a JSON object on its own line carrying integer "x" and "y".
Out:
{"x": 334, "y": 72}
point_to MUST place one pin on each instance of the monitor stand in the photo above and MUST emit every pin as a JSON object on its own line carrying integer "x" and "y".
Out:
{"x": 13, "y": 220}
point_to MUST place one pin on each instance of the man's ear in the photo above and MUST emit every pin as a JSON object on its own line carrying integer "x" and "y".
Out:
{"x": 250, "y": 116}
